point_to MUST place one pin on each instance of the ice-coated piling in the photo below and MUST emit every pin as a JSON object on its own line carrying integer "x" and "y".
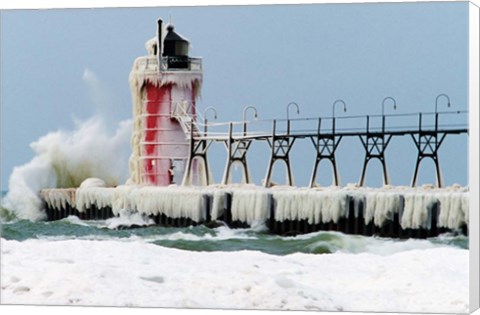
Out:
{"x": 389, "y": 211}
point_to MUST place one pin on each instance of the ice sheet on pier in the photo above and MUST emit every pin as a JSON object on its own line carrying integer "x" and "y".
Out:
{"x": 250, "y": 203}
{"x": 172, "y": 201}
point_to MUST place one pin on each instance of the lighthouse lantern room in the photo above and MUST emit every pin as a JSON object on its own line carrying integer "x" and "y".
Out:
{"x": 165, "y": 85}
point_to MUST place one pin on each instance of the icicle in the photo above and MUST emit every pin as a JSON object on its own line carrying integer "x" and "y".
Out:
{"x": 100, "y": 197}
{"x": 58, "y": 198}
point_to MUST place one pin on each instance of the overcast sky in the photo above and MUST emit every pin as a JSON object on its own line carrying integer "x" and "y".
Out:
{"x": 57, "y": 65}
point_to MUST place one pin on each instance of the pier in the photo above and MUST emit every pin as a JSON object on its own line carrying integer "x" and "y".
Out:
{"x": 390, "y": 211}
{"x": 170, "y": 181}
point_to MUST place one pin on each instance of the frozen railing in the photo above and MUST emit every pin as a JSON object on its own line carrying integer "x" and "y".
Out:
{"x": 342, "y": 125}
{"x": 184, "y": 113}
{"x": 150, "y": 64}
{"x": 183, "y": 64}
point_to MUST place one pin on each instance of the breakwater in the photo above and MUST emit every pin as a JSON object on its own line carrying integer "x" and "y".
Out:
{"x": 389, "y": 211}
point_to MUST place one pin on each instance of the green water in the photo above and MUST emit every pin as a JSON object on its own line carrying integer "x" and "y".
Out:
{"x": 201, "y": 238}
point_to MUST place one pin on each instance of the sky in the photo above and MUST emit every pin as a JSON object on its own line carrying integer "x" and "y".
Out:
{"x": 58, "y": 66}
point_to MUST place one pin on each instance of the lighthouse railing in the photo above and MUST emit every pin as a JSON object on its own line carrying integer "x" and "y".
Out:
{"x": 188, "y": 64}
{"x": 150, "y": 64}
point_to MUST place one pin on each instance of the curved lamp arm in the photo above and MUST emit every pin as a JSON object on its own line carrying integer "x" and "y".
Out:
{"x": 210, "y": 108}
{"x": 438, "y": 97}
{"x": 337, "y": 102}
{"x": 255, "y": 115}
{"x": 383, "y": 104}
{"x": 288, "y": 107}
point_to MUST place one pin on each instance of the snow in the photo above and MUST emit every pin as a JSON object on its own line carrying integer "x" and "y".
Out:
{"x": 134, "y": 273}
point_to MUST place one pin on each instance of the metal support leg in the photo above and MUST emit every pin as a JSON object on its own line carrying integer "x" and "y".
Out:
{"x": 427, "y": 145}
{"x": 364, "y": 171}
{"x": 375, "y": 145}
{"x": 325, "y": 146}
{"x": 237, "y": 152}
{"x": 415, "y": 173}
{"x": 386, "y": 179}
{"x": 280, "y": 150}
{"x": 197, "y": 150}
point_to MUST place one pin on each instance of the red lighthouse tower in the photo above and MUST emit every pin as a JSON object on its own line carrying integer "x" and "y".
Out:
{"x": 165, "y": 85}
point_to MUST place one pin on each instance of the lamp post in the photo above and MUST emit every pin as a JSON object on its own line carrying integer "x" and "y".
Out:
{"x": 383, "y": 104}
{"x": 436, "y": 107}
{"x": 333, "y": 111}
{"x": 288, "y": 108}
{"x": 438, "y": 97}
{"x": 383, "y": 109}
{"x": 288, "y": 114}
{"x": 255, "y": 115}
{"x": 205, "y": 120}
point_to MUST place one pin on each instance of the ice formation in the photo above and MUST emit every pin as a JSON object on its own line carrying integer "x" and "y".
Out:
{"x": 59, "y": 199}
{"x": 250, "y": 203}
{"x": 145, "y": 71}
{"x": 98, "y": 197}
{"x": 93, "y": 182}
{"x": 314, "y": 205}
{"x": 172, "y": 201}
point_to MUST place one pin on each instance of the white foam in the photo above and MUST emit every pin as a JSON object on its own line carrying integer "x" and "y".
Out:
{"x": 131, "y": 273}
{"x": 127, "y": 219}
{"x": 63, "y": 160}
{"x": 93, "y": 182}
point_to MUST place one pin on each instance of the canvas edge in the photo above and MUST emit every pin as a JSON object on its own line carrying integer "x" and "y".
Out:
{"x": 473, "y": 99}
{"x": 473, "y": 91}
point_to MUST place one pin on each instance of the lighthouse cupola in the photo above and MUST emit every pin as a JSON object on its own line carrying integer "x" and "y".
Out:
{"x": 174, "y": 44}
{"x": 175, "y": 49}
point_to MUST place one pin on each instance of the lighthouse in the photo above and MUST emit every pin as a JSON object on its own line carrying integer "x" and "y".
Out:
{"x": 165, "y": 85}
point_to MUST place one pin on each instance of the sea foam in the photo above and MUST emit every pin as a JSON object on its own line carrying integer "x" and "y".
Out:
{"x": 133, "y": 273}
{"x": 63, "y": 159}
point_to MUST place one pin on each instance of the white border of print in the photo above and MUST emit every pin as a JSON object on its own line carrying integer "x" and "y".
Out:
{"x": 474, "y": 175}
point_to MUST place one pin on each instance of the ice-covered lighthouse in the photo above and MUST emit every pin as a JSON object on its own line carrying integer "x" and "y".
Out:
{"x": 165, "y": 85}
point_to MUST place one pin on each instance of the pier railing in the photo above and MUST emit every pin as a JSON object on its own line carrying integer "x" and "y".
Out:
{"x": 395, "y": 124}
{"x": 427, "y": 130}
